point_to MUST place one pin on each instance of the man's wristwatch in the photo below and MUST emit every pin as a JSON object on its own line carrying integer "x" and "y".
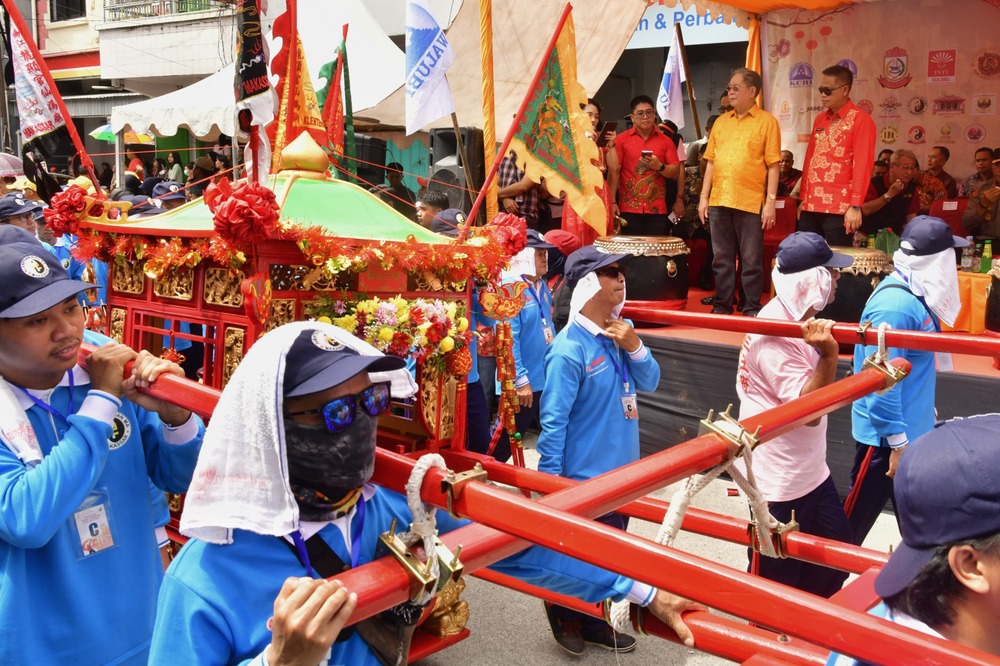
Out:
{"x": 662, "y": 167}
{"x": 887, "y": 197}
{"x": 772, "y": 197}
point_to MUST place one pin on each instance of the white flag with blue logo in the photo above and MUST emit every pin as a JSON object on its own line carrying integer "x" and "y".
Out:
{"x": 670, "y": 103}
{"x": 428, "y": 57}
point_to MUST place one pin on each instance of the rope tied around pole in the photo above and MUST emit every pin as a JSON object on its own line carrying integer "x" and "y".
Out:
{"x": 764, "y": 522}
{"x": 424, "y": 525}
{"x": 882, "y": 355}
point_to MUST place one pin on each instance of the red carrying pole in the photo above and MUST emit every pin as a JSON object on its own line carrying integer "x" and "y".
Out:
{"x": 798, "y": 545}
{"x": 182, "y": 392}
{"x": 955, "y": 343}
{"x": 464, "y": 229}
{"x": 547, "y": 523}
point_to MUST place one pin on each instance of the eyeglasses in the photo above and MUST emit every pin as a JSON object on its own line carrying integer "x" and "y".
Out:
{"x": 339, "y": 413}
{"x": 648, "y": 113}
{"x": 610, "y": 271}
{"x": 733, "y": 88}
{"x": 823, "y": 90}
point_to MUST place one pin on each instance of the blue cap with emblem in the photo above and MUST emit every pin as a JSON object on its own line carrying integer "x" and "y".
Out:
{"x": 32, "y": 277}
{"x": 316, "y": 361}
{"x": 587, "y": 260}
{"x": 14, "y": 204}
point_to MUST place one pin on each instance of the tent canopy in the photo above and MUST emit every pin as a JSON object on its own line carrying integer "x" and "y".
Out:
{"x": 207, "y": 107}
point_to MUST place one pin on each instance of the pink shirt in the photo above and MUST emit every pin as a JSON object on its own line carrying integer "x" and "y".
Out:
{"x": 772, "y": 371}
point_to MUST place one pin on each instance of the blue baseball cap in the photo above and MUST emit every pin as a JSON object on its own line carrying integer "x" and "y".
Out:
{"x": 448, "y": 221}
{"x": 33, "y": 279}
{"x": 168, "y": 189}
{"x": 14, "y": 204}
{"x": 537, "y": 240}
{"x": 947, "y": 489}
{"x": 803, "y": 250}
{"x": 587, "y": 260}
{"x": 317, "y": 361}
{"x": 925, "y": 235}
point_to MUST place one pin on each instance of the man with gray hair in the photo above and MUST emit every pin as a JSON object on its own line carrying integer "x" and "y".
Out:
{"x": 894, "y": 199}
{"x": 739, "y": 190}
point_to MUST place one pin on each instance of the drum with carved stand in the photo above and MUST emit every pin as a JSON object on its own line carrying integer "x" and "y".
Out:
{"x": 857, "y": 282}
{"x": 658, "y": 269}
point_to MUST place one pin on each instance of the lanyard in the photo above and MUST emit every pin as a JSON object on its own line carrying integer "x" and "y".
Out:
{"x": 534, "y": 295}
{"x": 906, "y": 280}
{"x": 621, "y": 370}
{"x": 356, "y": 529}
{"x": 49, "y": 408}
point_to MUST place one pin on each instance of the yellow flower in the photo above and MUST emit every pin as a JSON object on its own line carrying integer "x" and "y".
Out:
{"x": 347, "y": 322}
{"x": 385, "y": 334}
{"x": 447, "y": 344}
{"x": 423, "y": 327}
{"x": 324, "y": 320}
{"x": 463, "y": 324}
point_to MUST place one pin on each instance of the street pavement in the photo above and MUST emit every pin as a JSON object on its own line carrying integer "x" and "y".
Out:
{"x": 510, "y": 628}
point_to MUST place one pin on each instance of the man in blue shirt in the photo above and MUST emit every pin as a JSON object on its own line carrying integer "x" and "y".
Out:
{"x": 268, "y": 528}
{"x": 589, "y": 411}
{"x": 79, "y": 566}
{"x": 921, "y": 291}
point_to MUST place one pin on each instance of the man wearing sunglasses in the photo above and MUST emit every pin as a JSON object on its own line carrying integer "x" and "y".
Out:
{"x": 838, "y": 164}
{"x": 647, "y": 159}
{"x": 590, "y": 416}
{"x": 739, "y": 190}
{"x": 281, "y": 502}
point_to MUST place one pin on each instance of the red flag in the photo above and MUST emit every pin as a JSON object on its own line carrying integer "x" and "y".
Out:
{"x": 44, "y": 120}
{"x": 298, "y": 109}
{"x": 333, "y": 108}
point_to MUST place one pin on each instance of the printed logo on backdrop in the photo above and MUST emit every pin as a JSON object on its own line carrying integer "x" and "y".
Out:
{"x": 942, "y": 65}
{"x": 985, "y": 104}
{"x": 851, "y": 65}
{"x": 917, "y": 105}
{"x": 888, "y": 135}
{"x": 889, "y": 105}
{"x": 987, "y": 64}
{"x": 917, "y": 135}
{"x": 895, "y": 69}
{"x": 975, "y": 133}
{"x": 948, "y": 132}
{"x": 800, "y": 75}
{"x": 866, "y": 106}
{"x": 785, "y": 118}
{"x": 949, "y": 105}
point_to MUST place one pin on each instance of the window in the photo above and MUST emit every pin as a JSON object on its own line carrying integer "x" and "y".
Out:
{"x": 64, "y": 10}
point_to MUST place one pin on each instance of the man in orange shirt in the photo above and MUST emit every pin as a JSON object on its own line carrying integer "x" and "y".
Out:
{"x": 743, "y": 154}
{"x": 838, "y": 162}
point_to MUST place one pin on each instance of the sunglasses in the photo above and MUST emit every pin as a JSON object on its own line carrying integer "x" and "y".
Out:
{"x": 648, "y": 113}
{"x": 823, "y": 90}
{"x": 339, "y": 413}
{"x": 611, "y": 271}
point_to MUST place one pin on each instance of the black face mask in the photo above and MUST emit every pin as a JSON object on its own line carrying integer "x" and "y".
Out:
{"x": 326, "y": 469}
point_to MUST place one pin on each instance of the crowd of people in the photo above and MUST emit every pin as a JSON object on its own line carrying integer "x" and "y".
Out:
{"x": 279, "y": 499}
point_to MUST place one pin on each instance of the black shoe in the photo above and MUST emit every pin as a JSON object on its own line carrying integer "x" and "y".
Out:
{"x": 720, "y": 310}
{"x": 567, "y": 634}
{"x": 751, "y": 314}
{"x": 708, "y": 300}
{"x": 609, "y": 639}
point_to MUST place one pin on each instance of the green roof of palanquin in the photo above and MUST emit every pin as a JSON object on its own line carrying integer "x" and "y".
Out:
{"x": 342, "y": 209}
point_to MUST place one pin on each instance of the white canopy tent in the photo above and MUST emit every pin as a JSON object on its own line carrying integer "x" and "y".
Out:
{"x": 207, "y": 108}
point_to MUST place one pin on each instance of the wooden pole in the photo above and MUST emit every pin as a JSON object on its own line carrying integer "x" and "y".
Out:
{"x": 460, "y": 147}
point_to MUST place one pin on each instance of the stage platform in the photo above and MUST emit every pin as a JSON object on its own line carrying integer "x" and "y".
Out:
{"x": 698, "y": 373}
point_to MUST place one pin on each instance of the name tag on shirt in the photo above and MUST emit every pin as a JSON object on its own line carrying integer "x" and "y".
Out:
{"x": 93, "y": 524}
{"x": 547, "y": 332}
{"x": 630, "y": 407}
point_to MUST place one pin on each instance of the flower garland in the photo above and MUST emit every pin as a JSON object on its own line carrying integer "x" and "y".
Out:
{"x": 431, "y": 331}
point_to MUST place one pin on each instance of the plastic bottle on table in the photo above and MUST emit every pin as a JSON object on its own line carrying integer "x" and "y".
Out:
{"x": 977, "y": 258}
{"x": 986, "y": 263}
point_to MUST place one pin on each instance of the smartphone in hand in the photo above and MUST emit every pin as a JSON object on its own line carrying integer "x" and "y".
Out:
{"x": 604, "y": 132}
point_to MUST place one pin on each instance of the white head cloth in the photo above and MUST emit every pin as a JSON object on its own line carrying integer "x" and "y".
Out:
{"x": 241, "y": 479}
{"x": 586, "y": 288}
{"x": 802, "y": 290}
{"x": 933, "y": 277}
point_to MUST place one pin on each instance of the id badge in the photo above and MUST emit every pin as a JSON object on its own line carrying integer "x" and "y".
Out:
{"x": 547, "y": 332}
{"x": 630, "y": 407}
{"x": 92, "y": 522}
